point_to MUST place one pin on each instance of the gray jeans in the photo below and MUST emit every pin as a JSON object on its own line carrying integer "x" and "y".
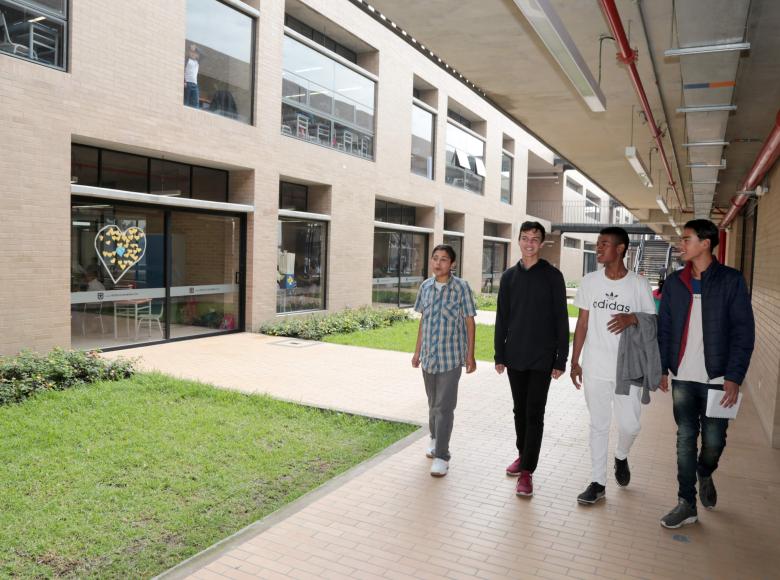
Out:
{"x": 442, "y": 391}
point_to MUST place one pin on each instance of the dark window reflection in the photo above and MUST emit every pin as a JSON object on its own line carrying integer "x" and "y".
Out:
{"x": 124, "y": 171}
{"x": 84, "y": 165}
{"x": 300, "y": 268}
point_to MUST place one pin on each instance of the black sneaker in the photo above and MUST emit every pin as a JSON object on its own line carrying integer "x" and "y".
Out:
{"x": 622, "y": 472}
{"x": 707, "y": 492}
{"x": 682, "y": 515}
{"x": 594, "y": 493}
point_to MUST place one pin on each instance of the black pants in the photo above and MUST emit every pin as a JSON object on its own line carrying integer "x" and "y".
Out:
{"x": 529, "y": 393}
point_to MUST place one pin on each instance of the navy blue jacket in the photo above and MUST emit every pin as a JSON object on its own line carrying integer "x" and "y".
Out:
{"x": 727, "y": 321}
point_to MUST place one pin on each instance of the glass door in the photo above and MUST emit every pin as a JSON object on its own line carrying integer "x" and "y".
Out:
{"x": 205, "y": 273}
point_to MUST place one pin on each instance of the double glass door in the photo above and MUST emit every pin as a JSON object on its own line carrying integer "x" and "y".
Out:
{"x": 143, "y": 274}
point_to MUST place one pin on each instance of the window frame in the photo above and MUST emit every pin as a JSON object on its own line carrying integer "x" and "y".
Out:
{"x": 61, "y": 19}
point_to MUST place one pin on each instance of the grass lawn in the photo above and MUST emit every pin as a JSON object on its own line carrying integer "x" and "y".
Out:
{"x": 490, "y": 305}
{"x": 403, "y": 337}
{"x": 126, "y": 479}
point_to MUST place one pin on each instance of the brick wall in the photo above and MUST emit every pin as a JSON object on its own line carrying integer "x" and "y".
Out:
{"x": 763, "y": 379}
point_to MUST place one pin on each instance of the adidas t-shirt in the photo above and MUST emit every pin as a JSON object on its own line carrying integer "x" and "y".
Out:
{"x": 602, "y": 298}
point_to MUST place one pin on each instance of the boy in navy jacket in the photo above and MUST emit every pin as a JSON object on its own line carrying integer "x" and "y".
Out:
{"x": 705, "y": 335}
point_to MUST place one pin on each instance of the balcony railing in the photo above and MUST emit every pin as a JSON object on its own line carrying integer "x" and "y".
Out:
{"x": 578, "y": 212}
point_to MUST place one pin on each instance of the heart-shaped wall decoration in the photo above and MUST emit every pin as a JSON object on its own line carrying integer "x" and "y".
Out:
{"x": 119, "y": 250}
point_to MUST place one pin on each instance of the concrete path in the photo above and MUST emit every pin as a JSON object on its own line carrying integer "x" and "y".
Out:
{"x": 390, "y": 519}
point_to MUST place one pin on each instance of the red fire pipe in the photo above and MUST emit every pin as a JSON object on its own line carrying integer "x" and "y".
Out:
{"x": 764, "y": 161}
{"x": 722, "y": 246}
{"x": 627, "y": 56}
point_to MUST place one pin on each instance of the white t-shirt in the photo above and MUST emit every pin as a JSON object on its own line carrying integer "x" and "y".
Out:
{"x": 692, "y": 367}
{"x": 602, "y": 298}
{"x": 191, "y": 71}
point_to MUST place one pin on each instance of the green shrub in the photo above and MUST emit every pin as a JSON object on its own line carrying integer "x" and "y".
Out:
{"x": 318, "y": 325}
{"x": 486, "y": 301}
{"x": 28, "y": 373}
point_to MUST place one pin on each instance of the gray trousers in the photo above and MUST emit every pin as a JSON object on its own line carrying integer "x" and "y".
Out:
{"x": 442, "y": 391}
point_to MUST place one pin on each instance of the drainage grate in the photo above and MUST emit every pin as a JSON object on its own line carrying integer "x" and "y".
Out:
{"x": 681, "y": 538}
{"x": 295, "y": 343}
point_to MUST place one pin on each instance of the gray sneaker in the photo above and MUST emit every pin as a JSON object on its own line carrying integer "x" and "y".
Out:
{"x": 682, "y": 515}
{"x": 707, "y": 492}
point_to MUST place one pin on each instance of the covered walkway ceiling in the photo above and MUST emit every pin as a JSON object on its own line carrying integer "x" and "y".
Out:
{"x": 491, "y": 43}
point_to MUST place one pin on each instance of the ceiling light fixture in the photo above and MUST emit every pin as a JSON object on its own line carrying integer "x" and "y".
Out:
{"x": 722, "y": 165}
{"x": 662, "y": 204}
{"x": 707, "y": 109}
{"x": 672, "y": 222}
{"x": 708, "y": 49}
{"x": 678, "y": 230}
{"x": 707, "y": 144}
{"x": 545, "y": 21}
{"x": 636, "y": 164}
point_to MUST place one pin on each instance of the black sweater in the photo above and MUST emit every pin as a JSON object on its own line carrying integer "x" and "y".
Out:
{"x": 532, "y": 321}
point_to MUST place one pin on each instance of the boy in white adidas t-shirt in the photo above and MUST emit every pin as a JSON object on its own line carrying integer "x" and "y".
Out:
{"x": 608, "y": 299}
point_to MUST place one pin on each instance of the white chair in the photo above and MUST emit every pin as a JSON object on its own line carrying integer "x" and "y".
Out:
{"x": 150, "y": 316}
{"x": 8, "y": 45}
{"x": 323, "y": 134}
{"x": 346, "y": 142}
{"x": 301, "y": 126}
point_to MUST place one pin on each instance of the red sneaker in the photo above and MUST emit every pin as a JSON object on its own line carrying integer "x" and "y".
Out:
{"x": 514, "y": 468}
{"x": 525, "y": 486}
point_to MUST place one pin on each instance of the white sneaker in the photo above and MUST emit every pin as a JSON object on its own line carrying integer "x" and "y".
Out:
{"x": 431, "y": 449}
{"x": 439, "y": 467}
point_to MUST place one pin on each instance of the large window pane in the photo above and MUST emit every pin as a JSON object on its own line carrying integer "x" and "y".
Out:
{"x": 34, "y": 31}
{"x": 325, "y": 102}
{"x": 494, "y": 255}
{"x": 209, "y": 184}
{"x": 84, "y": 165}
{"x": 457, "y": 244}
{"x": 218, "y": 60}
{"x": 400, "y": 265}
{"x": 169, "y": 178}
{"x": 301, "y": 265}
{"x": 465, "y": 160}
{"x": 506, "y": 178}
{"x": 293, "y": 196}
{"x": 422, "y": 141}
{"x": 117, "y": 275}
{"x": 124, "y": 171}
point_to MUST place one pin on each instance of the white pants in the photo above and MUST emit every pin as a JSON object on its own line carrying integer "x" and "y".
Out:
{"x": 601, "y": 398}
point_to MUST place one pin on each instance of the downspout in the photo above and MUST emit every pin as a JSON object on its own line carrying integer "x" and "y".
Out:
{"x": 763, "y": 163}
{"x": 722, "y": 246}
{"x": 627, "y": 56}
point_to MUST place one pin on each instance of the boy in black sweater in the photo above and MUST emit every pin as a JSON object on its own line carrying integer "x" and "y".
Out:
{"x": 532, "y": 343}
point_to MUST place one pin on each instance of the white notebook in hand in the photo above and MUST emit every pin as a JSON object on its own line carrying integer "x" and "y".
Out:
{"x": 714, "y": 409}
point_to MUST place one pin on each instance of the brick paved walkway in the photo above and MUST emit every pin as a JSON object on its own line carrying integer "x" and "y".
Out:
{"x": 392, "y": 520}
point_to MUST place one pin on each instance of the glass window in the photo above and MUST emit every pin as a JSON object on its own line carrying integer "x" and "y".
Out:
{"x": 571, "y": 243}
{"x": 457, "y": 244}
{"x": 218, "y": 60}
{"x": 506, "y": 178}
{"x": 301, "y": 265}
{"x": 84, "y": 165}
{"x": 325, "y": 102}
{"x": 320, "y": 38}
{"x": 293, "y": 196}
{"x": 35, "y": 30}
{"x": 423, "y": 123}
{"x": 400, "y": 265}
{"x": 124, "y": 171}
{"x": 494, "y": 256}
{"x": 465, "y": 160}
{"x": 169, "y": 178}
{"x": 573, "y": 185}
{"x": 593, "y": 206}
{"x": 396, "y": 213}
{"x": 490, "y": 229}
{"x": 209, "y": 184}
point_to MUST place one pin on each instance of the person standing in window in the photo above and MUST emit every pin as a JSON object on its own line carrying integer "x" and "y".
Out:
{"x": 191, "y": 68}
{"x": 445, "y": 341}
{"x": 532, "y": 344}
{"x": 706, "y": 334}
{"x": 608, "y": 300}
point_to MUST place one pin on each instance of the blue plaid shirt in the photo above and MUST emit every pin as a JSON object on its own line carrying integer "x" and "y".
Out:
{"x": 444, "y": 312}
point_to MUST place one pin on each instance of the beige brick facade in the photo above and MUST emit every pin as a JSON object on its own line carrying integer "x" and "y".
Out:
{"x": 764, "y": 374}
{"x": 123, "y": 91}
